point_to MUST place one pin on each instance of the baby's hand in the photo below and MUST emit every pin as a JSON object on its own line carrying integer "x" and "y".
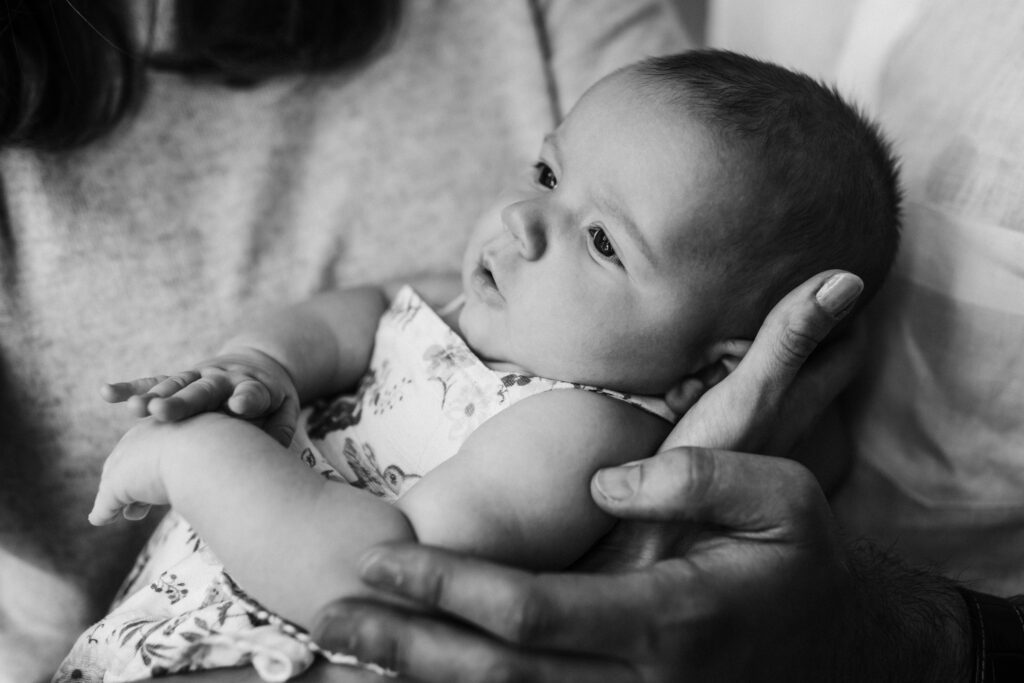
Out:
{"x": 131, "y": 480}
{"x": 247, "y": 383}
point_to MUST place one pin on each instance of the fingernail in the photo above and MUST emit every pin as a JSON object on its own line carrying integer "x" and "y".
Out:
{"x": 839, "y": 293}
{"x": 335, "y": 629}
{"x": 618, "y": 483}
{"x": 381, "y": 571}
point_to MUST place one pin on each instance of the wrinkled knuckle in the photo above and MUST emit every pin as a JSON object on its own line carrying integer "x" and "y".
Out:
{"x": 433, "y": 588}
{"x": 795, "y": 345}
{"x": 698, "y": 475}
{"x": 528, "y": 619}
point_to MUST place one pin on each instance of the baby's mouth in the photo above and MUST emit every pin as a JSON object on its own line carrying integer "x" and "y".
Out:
{"x": 486, "y": 283}
{"x": 485, "y": 271}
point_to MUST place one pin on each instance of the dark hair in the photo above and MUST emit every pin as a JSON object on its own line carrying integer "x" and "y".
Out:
{"x": 822, "y": 182}
{"x": 70, "y": 71}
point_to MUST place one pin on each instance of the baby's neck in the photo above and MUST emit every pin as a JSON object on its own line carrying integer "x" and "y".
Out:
{"x": 450, "y": 315}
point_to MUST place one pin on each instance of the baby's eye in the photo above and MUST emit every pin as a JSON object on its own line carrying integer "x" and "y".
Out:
{"x": 544, "y": 176}
{"x": 602, "y": 245}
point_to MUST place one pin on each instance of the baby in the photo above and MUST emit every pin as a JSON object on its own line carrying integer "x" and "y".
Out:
{"x": 680, "y": 199}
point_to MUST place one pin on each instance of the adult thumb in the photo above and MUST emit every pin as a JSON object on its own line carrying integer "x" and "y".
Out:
{"x": 741, "y": 492}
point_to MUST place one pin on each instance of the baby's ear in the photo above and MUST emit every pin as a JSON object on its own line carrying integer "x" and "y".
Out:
{"x": 721, "y": 359}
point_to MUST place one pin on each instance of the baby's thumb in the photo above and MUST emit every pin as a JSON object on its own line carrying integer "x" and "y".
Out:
{"x": 106, "y": 511}
{"x": 280, "y": 425}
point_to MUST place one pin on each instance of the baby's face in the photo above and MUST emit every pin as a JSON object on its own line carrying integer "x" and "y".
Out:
{"x": 601, "y": 268}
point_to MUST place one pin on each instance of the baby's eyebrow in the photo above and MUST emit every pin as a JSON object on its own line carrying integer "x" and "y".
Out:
{"x": 628, "y": 225}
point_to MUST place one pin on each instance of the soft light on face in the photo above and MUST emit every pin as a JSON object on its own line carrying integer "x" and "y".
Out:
{"x": 597, "y": 270}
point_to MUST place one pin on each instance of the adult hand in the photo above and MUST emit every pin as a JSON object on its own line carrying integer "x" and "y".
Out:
{"x": 767, "y": 592}
{"x": 779, "y": 390}
{"x": 705, "y": 615}
{"x": 781, "y": 387}
{"x": 762, "y": 589}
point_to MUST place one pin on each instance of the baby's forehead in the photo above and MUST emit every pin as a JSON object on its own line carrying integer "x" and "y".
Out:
{"x": 668, "y": 162}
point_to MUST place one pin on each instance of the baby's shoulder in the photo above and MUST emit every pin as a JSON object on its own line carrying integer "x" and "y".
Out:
{"x": 580, "y": 419}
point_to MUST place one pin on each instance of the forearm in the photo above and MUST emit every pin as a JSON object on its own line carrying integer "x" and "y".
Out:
{"x": 324, "y": 344}
{"x": 287, "y": 536}
{"x": 911, "y": 625}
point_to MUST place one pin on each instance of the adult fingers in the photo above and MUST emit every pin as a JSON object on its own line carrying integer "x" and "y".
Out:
{"x": 743, "y": 410}
{"x": 205, "y": 394}
{"x": 581, "y": 613}
{"x": 828, "y": 371}
{"x": 638, "y": 545}
{"x": 431, "y": 649}
{"x": 280, "y": 424}
{"x": 745, "y": 493}
{"x": 795, "y": 327}
{"x": 822, "y": 378}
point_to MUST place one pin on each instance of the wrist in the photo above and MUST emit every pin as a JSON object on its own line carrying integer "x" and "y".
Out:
{"x": 997, "y": 637}
{"x": 195, "y": 445}
{"x": 261, "y": 352}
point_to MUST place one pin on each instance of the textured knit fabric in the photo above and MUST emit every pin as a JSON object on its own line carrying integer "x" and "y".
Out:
{"x": 938, "y": 416}
{"x": 424, "y": 393}
{"x": 138, "y": 253}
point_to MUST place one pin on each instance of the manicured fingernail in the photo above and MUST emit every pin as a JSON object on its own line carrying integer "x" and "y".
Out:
{"x": 377, "y": 569}
{"x": 618, "y": 483}
{"x": 839, "y": 293}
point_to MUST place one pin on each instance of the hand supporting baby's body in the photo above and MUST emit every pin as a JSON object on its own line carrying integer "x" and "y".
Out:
{"x": 252, "y": 501}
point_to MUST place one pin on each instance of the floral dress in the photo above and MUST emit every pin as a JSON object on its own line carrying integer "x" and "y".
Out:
{"x": 423, "y": 395}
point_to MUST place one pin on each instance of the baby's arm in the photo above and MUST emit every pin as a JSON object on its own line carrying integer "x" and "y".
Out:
{"x": 319, "y": 347}
{"x": 518, "y": 492}
{"x": 287, "y": 535}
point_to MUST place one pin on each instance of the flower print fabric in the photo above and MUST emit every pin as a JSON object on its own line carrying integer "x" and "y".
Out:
{"x": 422, "y": 396}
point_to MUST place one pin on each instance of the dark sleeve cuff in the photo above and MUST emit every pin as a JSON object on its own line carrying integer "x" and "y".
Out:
{"x": 997, "y": 628}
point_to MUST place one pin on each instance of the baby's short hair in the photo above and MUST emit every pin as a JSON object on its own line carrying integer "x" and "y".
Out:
{"x": 822, "y": 181}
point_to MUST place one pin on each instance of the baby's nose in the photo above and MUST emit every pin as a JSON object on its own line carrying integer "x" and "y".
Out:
{"x": 525, "y": 223}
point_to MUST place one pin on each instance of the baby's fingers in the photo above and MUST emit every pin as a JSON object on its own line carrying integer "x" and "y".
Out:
{"x": 106, "y": 509}
{"x": 251, "y": 399}
{"x": 140, "y": 392}
{"x": 117, "y": 392}
{"x": 135, "y": 511}
{"x": 204, "y": 394}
